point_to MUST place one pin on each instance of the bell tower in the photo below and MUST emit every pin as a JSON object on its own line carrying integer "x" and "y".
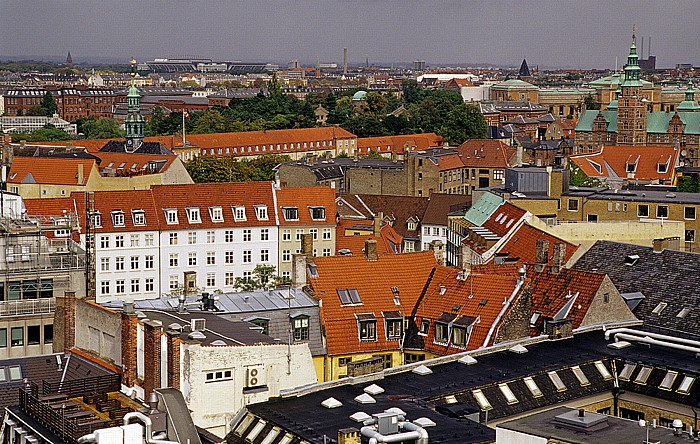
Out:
{"x": 134, "y": 121}
{"x": 631, "y": 107}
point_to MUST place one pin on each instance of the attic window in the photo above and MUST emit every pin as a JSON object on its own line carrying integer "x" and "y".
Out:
{"x": 13, "y": 175}
{"x": 96, "y": 219}
{"x": 556, "y": 380}
{"x": 603, "y": 370}
{"x": 170, "y": 216}
{"x": 631, "y": 259}
{"x": 193, "y": 215}
{"x": 290, "y": 213}
{"x": 662, "y": 168}
{"x": 481, "y": 399}
{"x": 683, "y": 313}
{"x": 668, "y": 380}
{"x": 261, "y": 212}
{"x": 508, "y": 393}
{"x": 687, "y": 382}
{"x": 643, "y": 375}
{"x": 582, "y": 378}
{"x": 596, "y": 166}
{"x": 534, "y": 318}
{"x": 659, "y": 308}
{"x": 138, "y": 217}
{"x": 216, "y": 214}
{"x": 318, "y": 213}
{"x": 348, "y": 296}
{"x": 630, "y": 167}
{"x": 532, "y": 386}
{"x": 626, "y": 372}
{"x": 239, "y": 213}
{"x": 118, "y": 218}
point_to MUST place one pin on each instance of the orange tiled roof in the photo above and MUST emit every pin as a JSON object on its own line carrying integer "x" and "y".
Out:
{"x": 397, "y": 144}
{"x": 303, "y": 198}
{"x": 480, "y": 296}
{"x": 611, "y": 162}
{"x": 486, "y": 153}
{"x": 449, "y": 162}
{"x": 551, "y": 292}
{"x": 389, "y": 241}
{"x": 49, "y": 170}
{"x": 133, "y": 162}
{"x": 504, "y": 219}
{"x": 374, "y": 281}
{"x": 523, "y": 244}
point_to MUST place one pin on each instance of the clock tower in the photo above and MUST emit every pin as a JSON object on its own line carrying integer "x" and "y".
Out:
{"x": 134, "y": 121}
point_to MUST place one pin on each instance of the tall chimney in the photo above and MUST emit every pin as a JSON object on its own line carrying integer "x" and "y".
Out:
{"x": 298, "y": 270}
{"x": 81, "y": 174}
{"x": 541, "y": 255}
{"x": 371, "y": 249}
{"x": 307, "y": 247}
{"x": 438, "y": 248}
{"x": 345, "y": 60}
{"x": 559, "y": 257}
{"x": 377, "y": 225}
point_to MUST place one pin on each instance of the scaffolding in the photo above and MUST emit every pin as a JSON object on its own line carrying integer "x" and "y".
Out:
{"x": 90, "y": 223}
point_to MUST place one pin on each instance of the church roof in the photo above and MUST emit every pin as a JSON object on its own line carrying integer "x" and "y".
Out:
{"x": 657, "y": 121}
{"x": 524, "y": 70}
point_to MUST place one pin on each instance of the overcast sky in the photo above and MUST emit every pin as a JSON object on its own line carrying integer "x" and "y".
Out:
{"x": 562, "y": 33}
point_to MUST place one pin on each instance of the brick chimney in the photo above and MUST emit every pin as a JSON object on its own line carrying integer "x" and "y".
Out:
{"x": 173, "y": 359}
{"x": 81, "y": 174}
{"x": 439, "y": 250}
{"x": 298, "y": 270}
{"x": 377, "y": 225}
{"x": 64, "y": 322}
{"x": 541, "y": 255}
{"x": 559, "y": 257}
{"x": 151, "y": 356}
{"x": 371, "y": 249}
{"x": 129, "y": 342}
{"x": 307, "y": 247}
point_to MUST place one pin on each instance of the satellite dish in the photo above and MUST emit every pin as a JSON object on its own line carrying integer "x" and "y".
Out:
{"x": 684, "y": 153}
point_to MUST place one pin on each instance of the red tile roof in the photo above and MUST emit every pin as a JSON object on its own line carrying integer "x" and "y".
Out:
{"x": 49, "y": 170}
{"x": 449, "y": 162}
{"x": 551, "y": 292}
{"x": 397, "y": 144}
{"x": 303, "y": 198}
{"x": 480, "y": 296}
{"x": 486, "y": 153}
{"x": 396, "y": 209}
{"x": 523, "y": 244}
{"x": 134, "y": 162}
{"x": 611, "y": 162}
{"x": 504, "y": 219}
{"x": 389, "y": 240}
{"x": 374, "y": 281}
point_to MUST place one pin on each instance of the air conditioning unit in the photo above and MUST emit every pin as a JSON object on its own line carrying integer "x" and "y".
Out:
{"x": 198, "y": 324}
{"x": 255, "y": 376}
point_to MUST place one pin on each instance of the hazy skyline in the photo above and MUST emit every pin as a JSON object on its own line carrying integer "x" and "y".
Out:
{"x": 586, "y": 34}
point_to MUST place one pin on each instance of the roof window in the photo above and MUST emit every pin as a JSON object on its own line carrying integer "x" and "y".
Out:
{"x": 626, "y": 372}
{"x": 508, "y": 393}
{"x": 603, "y": 370}
{"x": 318, "y": 213}
{"x": 631, "y": 259}
{"x": 683, "y": 313}
{"x": 582, "y": 378}
{"x": 171, "y": 216}
{"x": 349, "y": 296}
{"x": 556, "y": 380}
{"x": 481, "y": 399}
{"x": 643, "y": 375}
{"x": 290, "y": 213}
{"x": 261, "y": 212}
{"x": 193, "y": 215}
{"x": 668, "y": 380}
{"x": 138, "y": 217}
{"x": 687, "y": 382}
{"x": 659, "y": 308}
{"x": 239, "y": 213}
{"x": 216, "y": 214}
{"x": 532, "y": 386}
{"x": 118, "y": 218}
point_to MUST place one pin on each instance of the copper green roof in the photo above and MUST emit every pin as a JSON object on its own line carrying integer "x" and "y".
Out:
{"x": 585, "y": 120}
{"x": 657, "y": 121}
{"x": 483, "y": 209}
{"x": 611, "y": 80}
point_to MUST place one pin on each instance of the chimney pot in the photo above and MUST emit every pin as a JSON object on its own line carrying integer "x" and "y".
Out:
{"x": 541, "y": 255}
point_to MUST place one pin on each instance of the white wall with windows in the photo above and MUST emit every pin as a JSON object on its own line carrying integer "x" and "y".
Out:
{"x": 429, "y": 233}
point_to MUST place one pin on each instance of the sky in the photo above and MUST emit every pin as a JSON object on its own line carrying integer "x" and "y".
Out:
{"x": 552, "y": 33}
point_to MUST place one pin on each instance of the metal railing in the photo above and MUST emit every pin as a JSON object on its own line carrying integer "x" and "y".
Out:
{"x": 27, "y": 307}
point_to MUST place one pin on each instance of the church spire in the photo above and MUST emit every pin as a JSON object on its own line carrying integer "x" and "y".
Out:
{"x": 134, "y": 121}
{"x": 632, "y": 69}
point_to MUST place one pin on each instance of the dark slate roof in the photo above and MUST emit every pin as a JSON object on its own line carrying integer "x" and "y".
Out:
{"x": 524, "y": 70}
{"x": 118, "y": 146}
{"x": 428, "y": 395}
{"x": 337, "y": 167}
{"x": 670, "y": 277}
{"x": 440, "y": 205}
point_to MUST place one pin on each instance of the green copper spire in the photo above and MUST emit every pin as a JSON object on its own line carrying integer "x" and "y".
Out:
{"x": 133, "y": 122}
{"x": 689, "y": 104}
{"x": 614, "y": 102}
{"x": 632, "y": 69}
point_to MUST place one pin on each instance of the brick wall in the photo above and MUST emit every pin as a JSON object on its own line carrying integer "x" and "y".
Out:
{"x": 64, "y": 322}
{"x": 129, "y": 334}
{"x": 151, "y": 356}
{"x": 174, "y": 359}
{"x": 516, "y": 323}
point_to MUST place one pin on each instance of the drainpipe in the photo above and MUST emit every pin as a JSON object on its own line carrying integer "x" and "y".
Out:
{"x": 651, "y": 341}
{"x": 614, "y": 332}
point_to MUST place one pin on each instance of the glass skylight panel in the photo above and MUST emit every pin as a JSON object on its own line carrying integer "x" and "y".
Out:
{"x": 668, "y": 380}
{"x": 659, "y": 308}
{"x": 256, "y": 430}
{"x": 271, "y": 436}
{"x": 286, "y": 439}
{"x": 687, "y": 382}
{"x": 643, "y": 375}
{"x": 508, "y": 393}
{"x": 243, "y": 425}
{"x": 556, "y": 380}
{"x": 532, "y": 386}
{"x": 603, "y": 370}
{"x": 626, "y": 372}
{"x": 582, "y": 378}
{"x": 683, "y": 313}
{"x": 481, "y": 399}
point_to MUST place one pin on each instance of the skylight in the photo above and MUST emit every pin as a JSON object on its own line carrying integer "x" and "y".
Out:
{"x": 532, "y": 386}
{"x": 481, "y": 399}
{"x": 643, "y": 375}
{"x": 683, "y": 313}
{"x": 659, "y": 308}
{"x": 668, "y": 380}
{"x": 687, "y": 382}
{"x": 271, "y": 436}
{"x": 508, "y": 393}
{"x": 582, "y": 378}
{"x": 626, "y": 372}
{"x": 256, "y": 430}
{"x": 349, "y": 296}
{"x": 603, "y": 370}
{"x": 556, "y": 380}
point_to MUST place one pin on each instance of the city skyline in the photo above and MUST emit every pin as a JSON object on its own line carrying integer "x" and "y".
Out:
{"x": 566, "y": 34}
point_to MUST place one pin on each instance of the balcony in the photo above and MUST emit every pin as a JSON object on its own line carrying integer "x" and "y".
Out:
{"x": 27, "y": 307}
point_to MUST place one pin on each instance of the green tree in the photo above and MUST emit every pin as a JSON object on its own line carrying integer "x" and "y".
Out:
{"x": 210, "y": 121}
{"x": 688, "y": 184}
{"x": 48, "y": 104}
{"x": 48, "y": 133}
{"x": 230, "y": 169}
{"x": 412, "y": 93}
{"x": 590, "y": 102}
{"x": 462, "y": 123}
{"x": 263, "y": 277}
{"x": 102, "y": 128}
{"x": 578, "y": 178}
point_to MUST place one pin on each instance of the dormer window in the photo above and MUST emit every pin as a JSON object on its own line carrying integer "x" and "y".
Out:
{"x": 261, "y": 212}
{"x": 596, "y": 166}
{"x": 291, "y": 213}
{"x": 318, "y": 213}
{"x": 662, "y": 167}
{"x": 96, "y": 219}
{"x": 138, "y": 217}
{"x": 631, "y": 165}
{"x": 171, "y": 216}
{"x": 411, "y": 225}
{"x": 193, "y": 215}
{"x": 118, "y": 218}
{"x": 216, "y": 214}
{"x": 239, "y": 214}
